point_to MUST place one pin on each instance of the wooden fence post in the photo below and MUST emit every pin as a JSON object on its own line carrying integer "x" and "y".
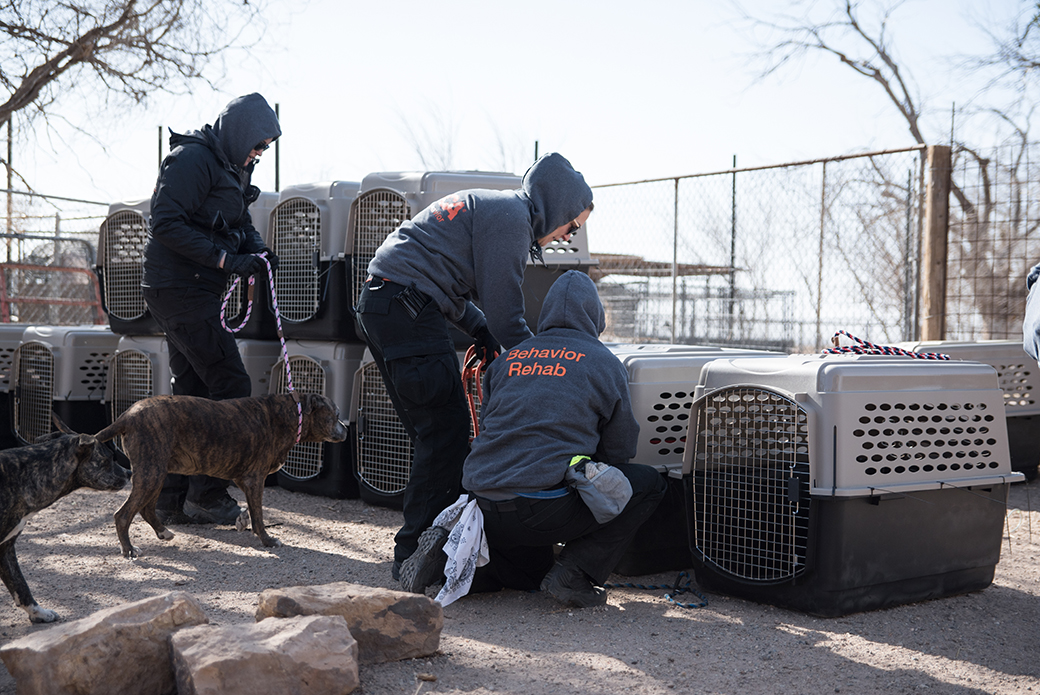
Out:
{"x": 935, "y": 242}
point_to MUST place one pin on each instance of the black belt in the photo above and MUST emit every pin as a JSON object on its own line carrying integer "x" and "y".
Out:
{"x": 496, "y": 505}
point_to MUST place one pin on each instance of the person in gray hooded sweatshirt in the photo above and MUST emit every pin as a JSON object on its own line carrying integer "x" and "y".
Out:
{"x": 468, "y": 247}
{"x": 552, "y": 402}
{"x": 200, "y": 232}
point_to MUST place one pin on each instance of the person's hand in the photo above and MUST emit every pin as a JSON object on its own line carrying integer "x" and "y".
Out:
{"x": 244, "y": 264}
{"x": 485, "y": 345}
{"x": 271, "y": 258}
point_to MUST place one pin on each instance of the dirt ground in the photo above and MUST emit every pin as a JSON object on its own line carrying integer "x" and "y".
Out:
{"x": 516, "y": 642}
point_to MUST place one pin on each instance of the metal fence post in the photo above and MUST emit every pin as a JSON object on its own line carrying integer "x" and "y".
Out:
{"x": 675, "y": 256}
{"x": 935, "y": 242}
{"x": 819, "y": 263}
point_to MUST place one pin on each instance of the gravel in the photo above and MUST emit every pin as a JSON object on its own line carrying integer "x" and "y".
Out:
{"x": 517, "y": 642}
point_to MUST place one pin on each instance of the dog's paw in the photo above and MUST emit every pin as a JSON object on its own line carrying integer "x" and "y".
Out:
{"x": 242, "y": 522}
{"x": 130, "y": 553}
{"x": 41, "y": 615}
{"x": 166, "y": 535}
{"x": 272, "y": 542}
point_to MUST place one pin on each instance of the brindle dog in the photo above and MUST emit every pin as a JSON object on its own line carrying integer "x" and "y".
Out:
{"x": 241, "y": 439}
{"x": 32, "y": 478}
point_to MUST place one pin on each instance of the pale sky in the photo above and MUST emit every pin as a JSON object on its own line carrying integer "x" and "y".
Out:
{"x": 625, "y": 90}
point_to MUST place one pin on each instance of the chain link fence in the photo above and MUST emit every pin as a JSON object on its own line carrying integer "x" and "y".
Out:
{"x": 48, "y": 251}
{"x": 776, "y": 257}
{"x": 993, "y": 242}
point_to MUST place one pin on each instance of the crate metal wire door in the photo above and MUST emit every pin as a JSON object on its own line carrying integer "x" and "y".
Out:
{"x": 296, "y": 240}
{"x": 305, "y": 459}
{"x": 130, "y": 380}
{"x": 385, "y": 450}
{"x": 377, "y": 213}
{"x": 124, "y": 235}
{"x": 751, "y": 484}
{"x": 34, "y": 390}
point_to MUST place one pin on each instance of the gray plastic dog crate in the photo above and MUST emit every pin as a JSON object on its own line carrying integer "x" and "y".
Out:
{"x": 140, "y": 368}
{"x": 832, "y": 484}
{"x": 1019, "y": 378}
{"x": 388, "y": 199}
{"x": 260, "y": 323}
{"x": 122, "y": 240}
{"x": 384, "y": 451}
{"x": 662, "y": 379}
{"x": 60, "y": 369}
{"x": 10, "y": 339}
{"x": 121, "y": 243}
{"x": 309, "y": 232}
{"x": 326, "y": 368}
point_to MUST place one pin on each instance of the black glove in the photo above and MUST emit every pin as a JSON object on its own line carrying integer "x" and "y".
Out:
{"x": 271, "y": 258}
{"x": 487, "y": 348}
{"x": 244, "y": 264}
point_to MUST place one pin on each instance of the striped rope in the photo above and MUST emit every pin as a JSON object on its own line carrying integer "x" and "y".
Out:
{"x": 862, "y": 347}
{"x": 677, "y": 589}
{"x": 281, "y": 336}
{"x": 249, "y": 304}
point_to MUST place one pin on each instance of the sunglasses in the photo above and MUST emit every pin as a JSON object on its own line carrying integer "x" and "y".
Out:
{"x": 262, "y": 147}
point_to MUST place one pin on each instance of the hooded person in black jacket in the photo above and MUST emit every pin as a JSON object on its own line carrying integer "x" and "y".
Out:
{"x": 200, "y": 233}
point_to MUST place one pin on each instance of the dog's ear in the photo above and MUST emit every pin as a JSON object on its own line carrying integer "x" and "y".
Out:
{"x": 85, "y": 444}
{"x": 59, "y": 425}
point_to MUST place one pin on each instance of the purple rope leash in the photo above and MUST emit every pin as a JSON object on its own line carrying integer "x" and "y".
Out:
{"x": 281, "y": 336}
{"x": 862, "y": 347}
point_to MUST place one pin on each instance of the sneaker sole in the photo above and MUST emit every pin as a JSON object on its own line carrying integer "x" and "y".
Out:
{"x": 426, "y": 564}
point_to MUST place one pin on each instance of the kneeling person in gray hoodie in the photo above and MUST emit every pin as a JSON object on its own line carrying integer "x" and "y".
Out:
{"x": 558, "y": 397}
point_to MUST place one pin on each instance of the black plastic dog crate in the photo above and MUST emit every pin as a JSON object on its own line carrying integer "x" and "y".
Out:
{"x": 833, "y": 484}
{"x": 326, "y": 368}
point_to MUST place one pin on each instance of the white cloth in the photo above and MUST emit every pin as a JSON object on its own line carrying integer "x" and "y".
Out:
{"x": 465, "y": 547}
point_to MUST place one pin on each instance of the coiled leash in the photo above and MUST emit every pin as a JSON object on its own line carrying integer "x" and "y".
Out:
{"x": 862, "y": 347}
{"x": 278, "y": 323}
{"x": 677, "y": 589}
{"x": 473, "y": 369}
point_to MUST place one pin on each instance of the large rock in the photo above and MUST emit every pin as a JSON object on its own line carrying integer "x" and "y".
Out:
{"x": 123, "y": 649}
{"x": 388, "y": 625}
{"x": 314, "y": 654}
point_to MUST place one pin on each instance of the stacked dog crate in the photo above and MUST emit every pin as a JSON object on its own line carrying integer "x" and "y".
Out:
{"x": 662, "y": 379}
{"x": 10, "y": 339}
{"x": 386, "y": 199}
{"x": 326, "y": 368}
{"x": 833, "y": 484}
{"x": 121, "y": 242}
{"x": 259, "y": 319}
{"x": 384, "y": 449}
{"x": 60, "y": 369}
{"x": 309, "y": 233}
{"x": 140, "y": 368}
{"x": 1019, "y": 378}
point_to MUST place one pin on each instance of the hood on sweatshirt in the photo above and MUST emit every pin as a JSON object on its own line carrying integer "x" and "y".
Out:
{"x": 557, "y": 193}
{"x": 573, "y": 302}
{"x": 244, "y": 122}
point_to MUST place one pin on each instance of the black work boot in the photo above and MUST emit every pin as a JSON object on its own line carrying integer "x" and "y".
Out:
{"x": 426, "y": 565}
{"x": 224, "y": 510}
{"x": 568, "y": 584}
